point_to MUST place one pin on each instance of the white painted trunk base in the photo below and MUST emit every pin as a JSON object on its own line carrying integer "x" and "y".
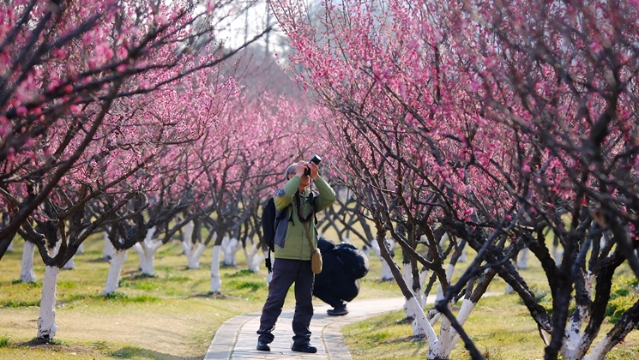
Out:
{"x": 230, "y": 247}
{"x": 387, "y": 274}
{"x": 462, "y": 256}
{"x": 253, "y": 258}
{"x": 453, "y": 337}
{"x": 188, "y": 232}
{"x": 522, "y": 259}
{"x": 216, "y": 281}
{"x": 556, "y": 254}
{"x": 574, "y": 347}
{"x": 367, "y": 251}
{"x": 417, "y": 296}
{"x": 193, "y": 253}
{"x": 146, "y": 250}
{"x": 115, "y": 271}
{"x": 108, "y": 250}
{"x": 10, "y": 247}
{"x": 598, "y": 352}
{"x": 70, "y": 265}
{"x": 46, "y": 322}
{"x": 26, "y": 273}
{"x": 420, "y": 319}
{"x": 449, "y": 274}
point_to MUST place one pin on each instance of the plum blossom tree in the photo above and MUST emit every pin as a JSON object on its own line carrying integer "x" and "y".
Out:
{"x": 563, "y": 81}
{"x": 63, "y": 65}
{"x": 496, "y": 120}
{"x": 76, "y": 132}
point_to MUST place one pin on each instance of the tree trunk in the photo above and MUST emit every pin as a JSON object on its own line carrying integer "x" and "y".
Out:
{"x": 216, "y": 280}
{"x": 27, "y": 274}
{"x": 557, "y": 254}
{"x": 187, "y": 235}
{"x": 192, "y": 250}
{"x": 387, "y": 274}
{"x": 462, "y": 255}
{"x": 420, "y": 320}
{"x": 575, "y": 342}
{"x": 522, "y": 258}
{"x": 115, "y": 270}
{"x": 448, "y": 337}
{"x": 70, "y": 265}
{"x": 600, "y": 350}
{"x": 253, "y": 258}
{"x": 193, "y": 255}
{"x": 107, "y": 252}
{"x": 46, "y": 321}
{"x": 449, "y": 275}
{"x": 10, "y": 246}
{"x": 146, "y": 251}
{"x": 230, "y": 248}
{"x": 418, "y": 296}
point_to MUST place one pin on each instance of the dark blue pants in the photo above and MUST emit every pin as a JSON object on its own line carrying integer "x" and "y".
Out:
{"x": 285, "y": 273}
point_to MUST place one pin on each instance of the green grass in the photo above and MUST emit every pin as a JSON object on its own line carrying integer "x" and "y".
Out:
{"x": 500, "y": 326}
{"x": 132, "y": 323}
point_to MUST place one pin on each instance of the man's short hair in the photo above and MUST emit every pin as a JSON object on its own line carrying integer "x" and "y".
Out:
{"x": 289, "y": 170}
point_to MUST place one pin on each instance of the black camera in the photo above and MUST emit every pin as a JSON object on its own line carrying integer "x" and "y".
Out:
{"x": 317, "y": 160}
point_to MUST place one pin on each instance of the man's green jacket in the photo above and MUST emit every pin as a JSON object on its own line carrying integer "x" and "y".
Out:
{"x": 295, "y": 244}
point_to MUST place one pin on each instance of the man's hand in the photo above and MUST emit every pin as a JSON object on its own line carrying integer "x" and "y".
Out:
{"x": 314, "y": 170}
{"x": 300, "y": 168}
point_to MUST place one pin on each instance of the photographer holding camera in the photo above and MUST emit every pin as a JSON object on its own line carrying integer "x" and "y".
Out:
{"x": 293, "y": 252}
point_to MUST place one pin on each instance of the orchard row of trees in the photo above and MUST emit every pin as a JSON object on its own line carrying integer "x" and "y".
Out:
{"x": 131, "y": 118}
{"x": 493, "y": 123}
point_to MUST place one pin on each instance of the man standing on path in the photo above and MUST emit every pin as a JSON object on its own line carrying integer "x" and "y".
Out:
{"x": 293, "y": 253}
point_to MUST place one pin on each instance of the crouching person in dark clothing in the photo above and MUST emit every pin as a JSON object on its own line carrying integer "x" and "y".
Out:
{"x": 338, "y": 282}
{"x": 293, "y": 254}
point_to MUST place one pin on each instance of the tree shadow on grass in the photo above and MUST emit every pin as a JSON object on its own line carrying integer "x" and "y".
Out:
{"x": 130, "y": 352}
{"x": 126, "y": 352}
{"x": 214, "y": 295}
{"x": 55, "y": 345}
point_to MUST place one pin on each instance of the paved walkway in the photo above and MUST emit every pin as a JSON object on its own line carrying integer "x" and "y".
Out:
{"x": 237, "y": 338}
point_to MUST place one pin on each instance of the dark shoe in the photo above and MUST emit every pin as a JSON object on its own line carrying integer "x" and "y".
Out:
{"x": 262, "y": 346}
{"x": 338, "y": 311}
{"x": 307, "y": 348}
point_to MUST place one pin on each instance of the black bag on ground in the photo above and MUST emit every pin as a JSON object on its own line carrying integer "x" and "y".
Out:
{"x": 353, "y": 259}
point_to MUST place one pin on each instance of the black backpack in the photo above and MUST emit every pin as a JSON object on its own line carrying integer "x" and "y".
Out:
{"x": 268, "y": 223}
{"x": 353, "y": 259}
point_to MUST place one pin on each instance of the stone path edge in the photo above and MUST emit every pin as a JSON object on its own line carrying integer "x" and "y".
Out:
{"x": 223, "y": 343}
